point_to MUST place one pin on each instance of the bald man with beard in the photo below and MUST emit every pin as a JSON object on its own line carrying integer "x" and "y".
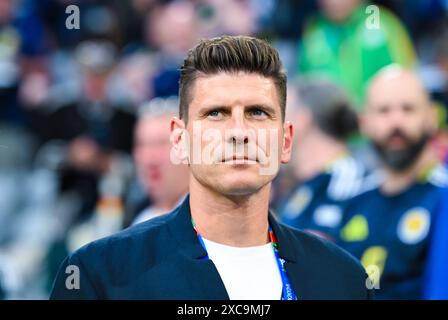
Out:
{"x": 389, "y": 227}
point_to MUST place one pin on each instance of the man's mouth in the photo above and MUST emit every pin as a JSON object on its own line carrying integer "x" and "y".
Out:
{"x": 397, "y": 143}
{"x": 239, "y": 160}
{"x": 154, "y": 174}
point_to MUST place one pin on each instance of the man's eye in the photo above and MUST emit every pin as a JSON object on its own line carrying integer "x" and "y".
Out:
{"x": 383, "y": 110}
{"x": 408, "y": 108}
{"x": 214, "y": 114}
{"x": 258, "y": 113}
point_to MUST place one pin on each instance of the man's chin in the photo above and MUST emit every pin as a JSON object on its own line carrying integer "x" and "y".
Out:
{"x": 239, "y": 191}
{"x": 241, "y": 185}
{"x": 234, "y": 180}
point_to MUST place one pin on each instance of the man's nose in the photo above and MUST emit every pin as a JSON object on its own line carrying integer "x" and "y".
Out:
{"x": 240, "y": 137}
{"x": 237, "y": 132}
{"x": 397, "y": 117}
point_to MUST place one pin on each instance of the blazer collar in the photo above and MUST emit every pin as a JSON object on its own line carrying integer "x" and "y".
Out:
{"x": 182, "y": 229}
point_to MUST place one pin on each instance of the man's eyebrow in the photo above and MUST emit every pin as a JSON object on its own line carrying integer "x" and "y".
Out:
{"x": 206, "y": 109}
{"x": 261, "y": 106}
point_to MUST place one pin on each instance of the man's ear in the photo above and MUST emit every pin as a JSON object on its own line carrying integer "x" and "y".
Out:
{"x": 288, "y": 134}
{"x": 179, "y": 140}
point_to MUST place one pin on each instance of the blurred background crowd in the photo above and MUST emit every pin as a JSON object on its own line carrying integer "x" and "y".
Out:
{"x": 84, "y": 134}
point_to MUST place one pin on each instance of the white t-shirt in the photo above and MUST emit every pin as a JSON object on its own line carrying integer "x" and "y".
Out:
{"x": 249, "y": 273}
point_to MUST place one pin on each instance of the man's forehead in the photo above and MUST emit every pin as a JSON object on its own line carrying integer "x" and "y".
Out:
{"x": 233, "y": 88}
{"x": 396, "y": 86}
{"x": 396, "y": 100}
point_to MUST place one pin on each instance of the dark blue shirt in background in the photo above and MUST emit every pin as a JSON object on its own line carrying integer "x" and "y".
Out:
{"x": 316, "y": 205}
{"x": 390, "y": 234}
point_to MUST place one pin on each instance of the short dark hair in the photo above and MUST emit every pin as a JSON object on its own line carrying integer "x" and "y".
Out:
{"x": 330, "y": 105}
{"x": 230, "y": 54}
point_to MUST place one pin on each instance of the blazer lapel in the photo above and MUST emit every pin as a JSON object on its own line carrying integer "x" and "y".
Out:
{"x": 201, "y": 273}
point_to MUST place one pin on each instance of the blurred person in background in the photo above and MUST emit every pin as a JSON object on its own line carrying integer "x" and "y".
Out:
{"x": 130, "y": 82}
{"x": 27, "y": 191}
{"x": 96, "y": 131}
{"x": 93, "y": 136}
{"x": 285, "y": 25}
{"x": 388, "y": 228}
{"x": 165, "y": 184}
{"x": 170, "y": 29}
{"x": 437, "y": 81}
{"x": 23, "y": 45}
{"x": 232, "y": 17}
{"x": 441, "y": 63}
{"x": 340, "y": 42}
{"x": 325, "y": 173}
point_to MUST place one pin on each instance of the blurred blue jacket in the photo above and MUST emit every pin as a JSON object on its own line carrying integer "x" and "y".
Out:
{"x": 437, "y": 268}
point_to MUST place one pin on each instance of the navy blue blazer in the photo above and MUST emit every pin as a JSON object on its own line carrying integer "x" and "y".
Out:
{"x": 161, "y": 259}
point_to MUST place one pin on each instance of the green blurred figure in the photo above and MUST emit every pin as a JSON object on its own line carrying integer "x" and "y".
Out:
{"x": 350, "y": 41}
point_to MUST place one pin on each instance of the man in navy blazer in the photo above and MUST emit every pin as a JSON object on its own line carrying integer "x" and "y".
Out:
{"x": 222, "y": 242}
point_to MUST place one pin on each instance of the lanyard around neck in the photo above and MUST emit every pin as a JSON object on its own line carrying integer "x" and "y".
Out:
{"x": 287, "y": 289}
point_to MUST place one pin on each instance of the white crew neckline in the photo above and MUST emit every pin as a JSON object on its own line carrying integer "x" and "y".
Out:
{"x": 231, "y": 250}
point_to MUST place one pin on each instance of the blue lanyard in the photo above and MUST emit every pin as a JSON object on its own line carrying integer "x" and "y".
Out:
{"x": 287, "y": 289}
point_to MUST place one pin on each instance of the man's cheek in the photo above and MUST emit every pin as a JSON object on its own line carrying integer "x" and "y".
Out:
{"x": 271, "y": 149}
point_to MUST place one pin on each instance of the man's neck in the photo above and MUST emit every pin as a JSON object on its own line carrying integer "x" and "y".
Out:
{"x": 396, "y": 182}
{"x": 323, "y": 151}
{"x": 239, "y": 221}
